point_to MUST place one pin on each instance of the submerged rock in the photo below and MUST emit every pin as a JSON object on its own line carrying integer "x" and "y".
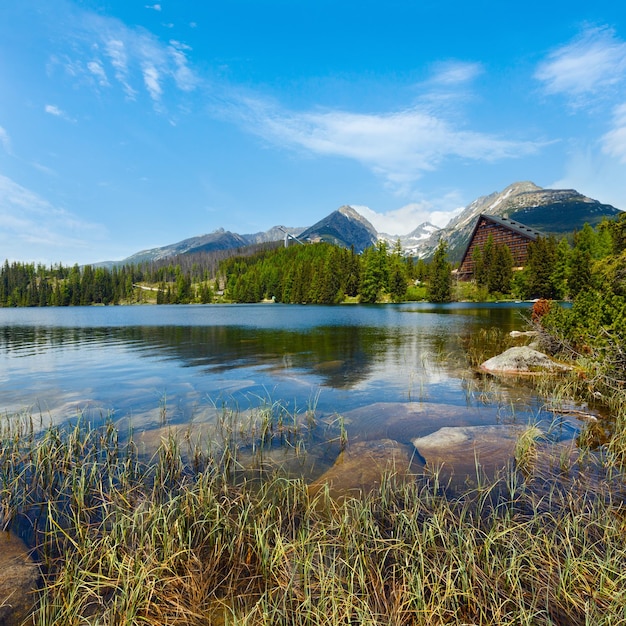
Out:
{"x": 522, "y": 360}
{"x": 402, "y": 421}
{"x": 458, "y": 450}
{"x": 359, "y": 467}
{"x": 19, "y": 578}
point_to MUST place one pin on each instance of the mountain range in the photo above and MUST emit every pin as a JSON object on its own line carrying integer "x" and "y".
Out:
{"x": 551, "y": 211}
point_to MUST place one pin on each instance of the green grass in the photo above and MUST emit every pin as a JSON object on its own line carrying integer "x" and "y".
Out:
{"x": 190, "y": 535}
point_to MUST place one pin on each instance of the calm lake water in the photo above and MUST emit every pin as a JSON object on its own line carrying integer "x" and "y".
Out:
{"x": 397, "y": 371}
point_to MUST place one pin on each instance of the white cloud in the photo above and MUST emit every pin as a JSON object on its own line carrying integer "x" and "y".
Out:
{"x": 116, "y": 51}
{"x": 407, "y": 218}
{"x": 454, "y": 73}
{"x": 614, "y": 142}
{"x": 55, "y": 111}
{"x": 96, "y": 68}
{"x": 442, "y": 218}
{"x": 183, "y": 75}
{"x": 154, "y": 7}
{"x": 588, "y": 66}
{"x": 106, "y": 53}
{"x": 398, "y": 146}
{"x": 5, "y": 141}
{"x": 151, "y": 79}
{"x": 594, "y": 173}
{"x": 43, "y": 168}
{"x": 28, "y": 220}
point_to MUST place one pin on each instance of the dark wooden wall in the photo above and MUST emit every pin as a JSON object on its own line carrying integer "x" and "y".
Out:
{"x": 517, "y": 243}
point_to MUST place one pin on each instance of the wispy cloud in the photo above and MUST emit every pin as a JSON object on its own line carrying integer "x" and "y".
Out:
{"x": 455, "y": 73}
{"x": 55, "y": 111}
{"x": 98, "y": 71}
{"x": 183, "y": 75}
{"x": 589, "y": 66}
{"x": 28, "y": 219}
{"x": 614, "y": 142}
{"x": 594, "y": 173}
{"x": 591, "y": 72}
{"x": 152, "y": 79}
{"x": 108, "y": 52}
{"x": 399, "y": 146}
{"x": 5, "y": 141}
{"x": 116, "y": 52}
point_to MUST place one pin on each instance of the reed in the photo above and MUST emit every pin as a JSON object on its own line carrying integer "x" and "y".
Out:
{"x": 189, "y": 536}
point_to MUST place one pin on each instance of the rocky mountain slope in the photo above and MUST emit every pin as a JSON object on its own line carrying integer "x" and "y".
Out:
{"x": 556, "y": 211}
{"x": 343, "y": 227}
{"x": 412, "y": 242}
{"x": 551, "y": 211}
{"x": 219, "y": 239}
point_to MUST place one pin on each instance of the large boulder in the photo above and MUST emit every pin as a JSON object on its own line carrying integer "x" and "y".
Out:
{"x": 522, "y": 360}
{"x": 359, "y": 467}
{"x": 458, "y": 451}
{"x": 19, "y": 580}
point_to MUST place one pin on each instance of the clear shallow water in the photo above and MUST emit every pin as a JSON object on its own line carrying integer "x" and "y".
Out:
{"x": 131, "y": 362}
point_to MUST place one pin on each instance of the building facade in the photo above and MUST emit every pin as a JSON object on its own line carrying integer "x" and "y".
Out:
{"x": 504, "y": 231}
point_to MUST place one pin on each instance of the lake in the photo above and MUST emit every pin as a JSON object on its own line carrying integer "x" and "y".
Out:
{"x": 393, "y": 371}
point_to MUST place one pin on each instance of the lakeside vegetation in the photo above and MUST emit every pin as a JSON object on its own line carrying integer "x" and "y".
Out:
{"x": 204, "y": 530}
{"x": 323, "y": 274}
{"x": 197, "y": 533}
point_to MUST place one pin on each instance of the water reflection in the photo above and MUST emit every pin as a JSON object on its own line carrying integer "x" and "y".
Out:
{"x": 106, "y": 359}
{"x": 394, "y": 374}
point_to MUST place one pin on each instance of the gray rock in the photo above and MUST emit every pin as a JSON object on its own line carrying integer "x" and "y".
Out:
{"x": 522, "y": 360}
{"x": 359, "y": 467}
{"x": 19, "y": 579}
{"x": 458, "y": 450}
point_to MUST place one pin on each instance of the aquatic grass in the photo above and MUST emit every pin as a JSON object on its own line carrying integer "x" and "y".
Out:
{"x": 525, "y": 446}
{"x": 125, "y": 538}
{"x": 484, "y": 344}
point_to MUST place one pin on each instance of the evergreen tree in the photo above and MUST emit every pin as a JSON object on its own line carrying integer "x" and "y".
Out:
{"x": 540, "y": 265}
{"x": 440, "y": 288}
{"x": 397, "y": 274}
{"x": 580, "y": 277}
{"x": 500, "y": 271}
{"x": 561, "y": 270}
{"x": 479, "y": 273}
{"x": 372, "y": 279}
{"x": 352, "y": 273}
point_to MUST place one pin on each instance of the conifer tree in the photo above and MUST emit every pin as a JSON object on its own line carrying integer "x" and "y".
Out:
{"x": 440, "y": 288}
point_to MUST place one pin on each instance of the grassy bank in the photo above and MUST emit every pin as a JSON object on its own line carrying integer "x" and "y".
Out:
{"x": 188, "y": 536}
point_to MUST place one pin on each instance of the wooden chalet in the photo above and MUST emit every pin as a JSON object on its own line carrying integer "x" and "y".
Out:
{"x": 503, "y": 230}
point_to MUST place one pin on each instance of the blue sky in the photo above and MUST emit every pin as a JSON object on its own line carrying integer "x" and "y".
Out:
{"x": 126, "y": 125}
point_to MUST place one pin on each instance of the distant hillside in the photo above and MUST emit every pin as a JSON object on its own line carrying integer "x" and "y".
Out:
{"x": 551, "y": 211}
{"x": 412, "y": 242}
{"x": 556, "y": 211}
{"x": 343, "y": 227}
{"x": 219, "y": 240}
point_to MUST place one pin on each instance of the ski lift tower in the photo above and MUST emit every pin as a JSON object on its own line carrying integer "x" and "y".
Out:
{"x": 288, "y": 235}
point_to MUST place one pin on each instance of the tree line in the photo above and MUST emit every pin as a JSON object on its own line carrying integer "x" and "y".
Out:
{"x": 180, "y": 279}
{"x": 30, "y": 285}
{"x": 320, "y": 273}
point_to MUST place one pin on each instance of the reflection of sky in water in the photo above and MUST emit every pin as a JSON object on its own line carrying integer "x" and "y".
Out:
{"x": 134, "y": 360}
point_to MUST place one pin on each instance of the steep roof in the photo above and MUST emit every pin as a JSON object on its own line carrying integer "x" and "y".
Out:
{"x": 509, "y": 224}
{"x": 516, "y": 227}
